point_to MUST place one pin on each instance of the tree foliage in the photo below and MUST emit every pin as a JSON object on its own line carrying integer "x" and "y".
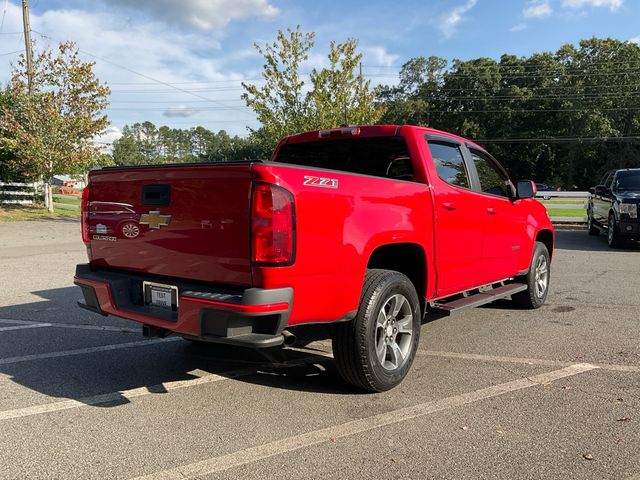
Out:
{"x": 285, "y": 104}
{"x": 144, "y": 143}
{"x": 50, "y": 131}
{"x": 563, "y": 116}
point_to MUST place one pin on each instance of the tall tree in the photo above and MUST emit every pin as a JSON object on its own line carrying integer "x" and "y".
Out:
{"x": 564, "y": 116}
{"x": 51, "y": 129}
{"x": 339, "y": 94}
{"x": 285, "y": 104}
{"x": 281, "y": 104}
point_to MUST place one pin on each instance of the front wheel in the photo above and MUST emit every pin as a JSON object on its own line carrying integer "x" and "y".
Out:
{"x": 537, "y": 279}
{"x": 613, "y": 233}
{"x": 376, "y": 350}
{"x": 593, "y": 230}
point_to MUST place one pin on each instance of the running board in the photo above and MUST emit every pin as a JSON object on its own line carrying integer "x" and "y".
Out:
{"x": 477, "y": 299}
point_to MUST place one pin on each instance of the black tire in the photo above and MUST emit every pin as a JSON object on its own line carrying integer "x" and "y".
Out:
{"x": 535, "y": 296}
{"x": 355, "y": 343}
{"x": 593, "y": 230}
{"x": 614, "y": 239}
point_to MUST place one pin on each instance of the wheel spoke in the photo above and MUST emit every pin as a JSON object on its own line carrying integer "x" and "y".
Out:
{"x": 397, "y": 357}
{"x": 382, "y": 319}
{"x": 398, "y": 302}
{"x": 381, "y": 349}
{"x": 404, "y": 324}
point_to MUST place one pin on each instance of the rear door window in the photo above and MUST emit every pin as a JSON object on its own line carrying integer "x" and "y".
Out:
{"x": 449, "y": 163}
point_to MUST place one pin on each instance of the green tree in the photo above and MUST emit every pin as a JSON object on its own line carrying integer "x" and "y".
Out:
{"x": 144, "y": 143}
{"x": 564, "y": 117}
{"x": 126, "y": 150}
{"x": 7, "y": 158}
{"x": 51, "y": 129}
{"x": 339, "y": 95}
{"x": 285, "y": 104}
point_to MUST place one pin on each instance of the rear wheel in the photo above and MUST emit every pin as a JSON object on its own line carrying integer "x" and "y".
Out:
{"x": 614, "y": 238}
{"x": 376, "y": 350}
{"x": 537, "y": 280}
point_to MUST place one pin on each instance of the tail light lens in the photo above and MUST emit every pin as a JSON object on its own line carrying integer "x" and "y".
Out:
{"x": 84, "y": 215}
{"x": 272, "y": 225}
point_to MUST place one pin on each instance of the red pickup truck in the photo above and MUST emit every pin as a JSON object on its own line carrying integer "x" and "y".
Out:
{"x": 363, "y": 229}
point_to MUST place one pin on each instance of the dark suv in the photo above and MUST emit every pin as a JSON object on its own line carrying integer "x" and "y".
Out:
{"x": 613, "y": 206}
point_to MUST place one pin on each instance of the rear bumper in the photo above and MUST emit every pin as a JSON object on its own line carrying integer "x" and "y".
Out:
{"x": 252, "y": 317}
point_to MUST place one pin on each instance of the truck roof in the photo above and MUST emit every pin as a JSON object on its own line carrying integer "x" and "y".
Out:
{"x": 368, "y": 131}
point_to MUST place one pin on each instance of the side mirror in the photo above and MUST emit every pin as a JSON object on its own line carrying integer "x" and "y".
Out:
{"x": 601, "y": 190}
{"x": 526, "y": 189}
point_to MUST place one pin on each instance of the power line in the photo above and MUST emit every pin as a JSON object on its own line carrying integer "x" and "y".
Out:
{"x": 11, "y": 53}
{"x": 536, "y": 110}
{"x": 556, "y": 139}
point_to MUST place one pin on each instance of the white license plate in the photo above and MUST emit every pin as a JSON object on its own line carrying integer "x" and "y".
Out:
{"x": 159, "y": 295}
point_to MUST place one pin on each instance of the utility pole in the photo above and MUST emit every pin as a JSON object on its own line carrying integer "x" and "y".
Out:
{"x": 27, "y": 43}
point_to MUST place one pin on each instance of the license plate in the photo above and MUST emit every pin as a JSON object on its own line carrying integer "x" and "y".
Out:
{"x": 160, "y": 295}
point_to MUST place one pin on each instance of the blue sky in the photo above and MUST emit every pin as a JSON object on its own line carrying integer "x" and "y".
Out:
{"x": 204, "y": 48}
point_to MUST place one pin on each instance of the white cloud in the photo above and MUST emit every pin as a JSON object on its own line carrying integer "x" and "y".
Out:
{"x": 635, "y": 39}
{"x": 519, "y": 27}
{"x": 201, "y": 14}
{"x": 613, "y": 5}
{"x": 379, "y": 56}
{"x": 105, "y": 140}
{"x": 537, "y": 9}
{"x": 449, "y": 21}
{"x": 154, "y": 49}
{"x": 181, "y": 111}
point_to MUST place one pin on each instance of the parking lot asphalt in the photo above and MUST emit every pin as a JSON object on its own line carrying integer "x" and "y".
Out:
{"x": 494, "y": 392}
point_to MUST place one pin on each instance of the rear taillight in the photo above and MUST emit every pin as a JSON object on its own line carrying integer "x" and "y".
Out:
{"x": 84, "y": 214}
{"x": 272, "y": 225}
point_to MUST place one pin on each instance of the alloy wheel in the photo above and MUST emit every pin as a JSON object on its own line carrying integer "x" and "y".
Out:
{"x": 541, "y": 276}
{"x": 394, "y": 332}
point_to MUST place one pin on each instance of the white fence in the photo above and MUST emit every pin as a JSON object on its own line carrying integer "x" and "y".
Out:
{"x": 21, "y": 193}
{"x": 555, "y": 201}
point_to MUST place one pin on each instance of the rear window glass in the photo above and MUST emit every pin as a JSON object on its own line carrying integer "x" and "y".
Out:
{"x": 378, "y": 156}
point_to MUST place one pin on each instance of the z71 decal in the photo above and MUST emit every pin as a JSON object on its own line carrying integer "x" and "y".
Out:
{"x": 320, "y": 182}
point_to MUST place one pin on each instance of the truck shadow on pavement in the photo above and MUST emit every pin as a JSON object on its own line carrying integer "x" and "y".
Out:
{"x": 582, "y": 241}
{"x": 42, "y": 359}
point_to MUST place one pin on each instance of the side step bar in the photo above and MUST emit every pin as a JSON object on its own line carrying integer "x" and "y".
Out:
{"x": 476, "y": 299}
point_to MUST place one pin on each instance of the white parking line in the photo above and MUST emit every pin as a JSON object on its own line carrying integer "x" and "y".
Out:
{"x": 317, "y": 437}
{"x": 105, "y": 328}
{"x": 526, "y": 361}
{"x": 83, "y": 351}
{"x": 201, "y": 378}
{"x": 24, "y": 327}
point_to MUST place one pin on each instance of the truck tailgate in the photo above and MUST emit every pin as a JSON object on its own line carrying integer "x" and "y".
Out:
{"x": 177, "y": 221}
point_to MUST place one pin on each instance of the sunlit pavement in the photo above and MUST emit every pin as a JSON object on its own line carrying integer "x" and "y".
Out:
{"x": 493, "y": 393}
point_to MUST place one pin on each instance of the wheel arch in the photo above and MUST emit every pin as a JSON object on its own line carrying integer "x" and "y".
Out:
{"x": 546, "y": 236}
{"x": 409, "y": 259}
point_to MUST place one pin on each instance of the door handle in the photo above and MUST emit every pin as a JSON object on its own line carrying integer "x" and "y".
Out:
{"x": 491, "y": 211}
{"x": 448, "y": 205}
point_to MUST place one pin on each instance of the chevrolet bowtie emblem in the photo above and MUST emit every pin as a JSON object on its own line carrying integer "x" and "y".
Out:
{"x": 155, "y": 220}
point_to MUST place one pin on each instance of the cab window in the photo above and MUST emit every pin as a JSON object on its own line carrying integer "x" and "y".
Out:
{"x": 492, "y": 180}
{"x": 449, "y": 163}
